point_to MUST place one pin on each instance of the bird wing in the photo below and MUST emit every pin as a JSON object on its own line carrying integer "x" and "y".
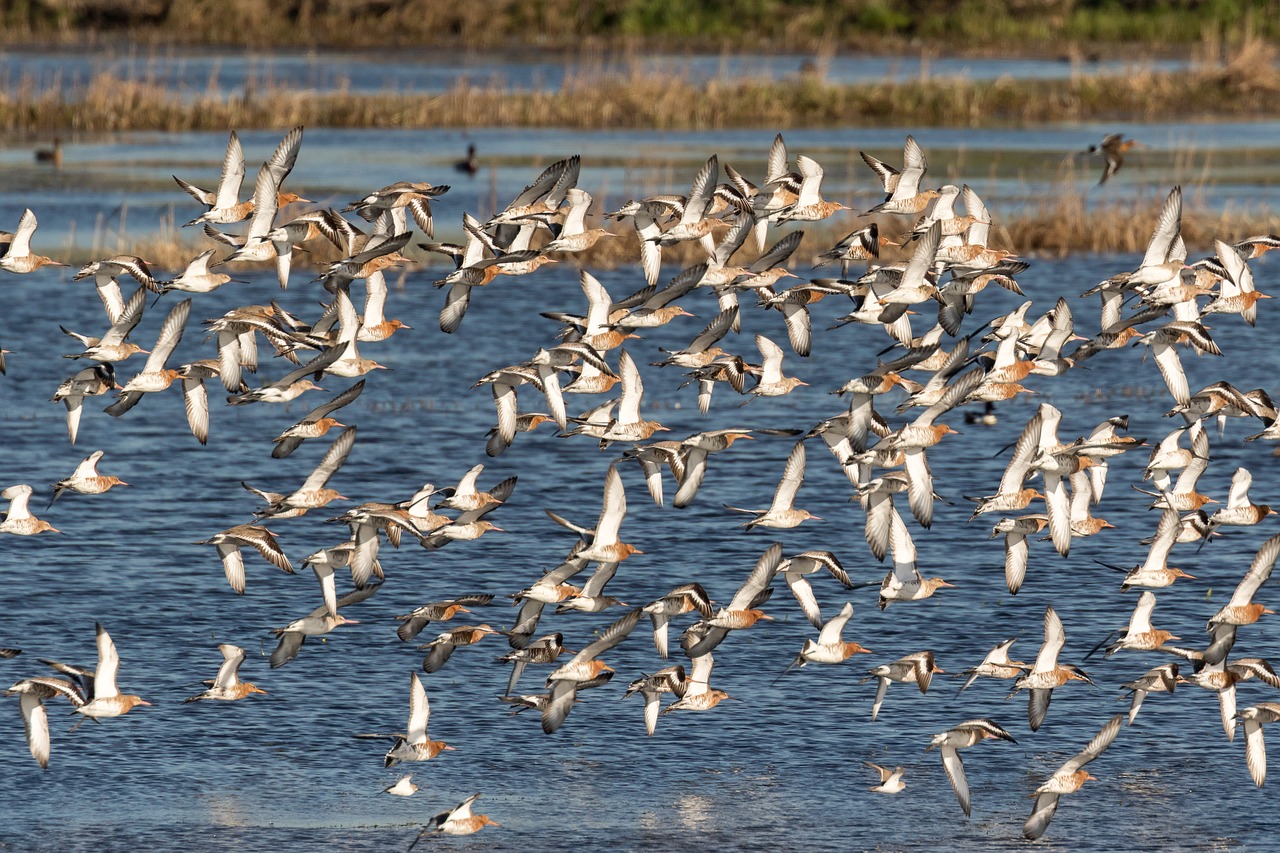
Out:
{"x": 1255, "y": 749}
{"x": 1054, "y": 639}
{"x": 834, "y": 626}
{"x": 811, "y": 183}
{"x": 803, "y": 592}
{"x": 104, "y": 678}
{"x": 771, "y": 369}
{"x": 232, "y": 565}
{"x": 233, "y": 656}
{"x": 595, "y": 584}
{"x": 632, "y": 390}
{"x": 919, "y": 485}
{"x": 913, "y": 169}
{"x": 1166, "y": 230}
{"x": 170, "y": 335}
{"x": 1016, "y": 552}
{"x": 195, "y": 400}
{"x": 419, "y": 711}
{"x": 609, "y": 637}
{"x": 700, "y": 191}
{"x": 332, "y": 461}
{"x": 1140, "y": 621}
{"x": 265, "y": 206}
{"x": 232, "y": 174}
{"x": 784, "y": 497}
{"x": 559, "y": 703}
{"x": 1095, "y": 747}
{"x": 1259, "y": 571}
{"x": 1041, "y": 813}
{"x": 127, "y": 319}
{"x": 714, "y": 331}
{"x": 614, "y": 508}
{"x": 1058, "y": 503}
{"x": 35, "y": 722}
{"x": 759, "y": 578}
{"x": 285, "y": 156}
{"x": 922, "y": 258}
{"x": 1241, "y": 480}
{"x": 954, "y": 766}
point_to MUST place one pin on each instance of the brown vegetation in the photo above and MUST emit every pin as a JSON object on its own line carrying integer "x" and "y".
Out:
{"x": 1243, "y": 82}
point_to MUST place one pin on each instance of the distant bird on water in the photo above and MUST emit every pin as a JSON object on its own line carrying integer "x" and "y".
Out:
{"x": 469, "y": 165}
{"x": 52, "y": 156}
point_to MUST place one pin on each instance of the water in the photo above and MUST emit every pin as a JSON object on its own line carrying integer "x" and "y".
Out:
{"x": 193, "y": 71}
{"x": 778, "y": 767}
{"x": 114, "y": 188}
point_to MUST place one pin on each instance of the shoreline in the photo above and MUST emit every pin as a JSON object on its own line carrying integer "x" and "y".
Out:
{"x": 1245, "y": 86}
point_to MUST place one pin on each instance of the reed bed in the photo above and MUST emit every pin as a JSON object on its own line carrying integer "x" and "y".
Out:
{"x": 1245, "y": 83}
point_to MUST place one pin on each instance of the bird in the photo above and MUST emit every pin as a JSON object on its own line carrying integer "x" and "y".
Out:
{"x": 155, "y": 376}
{"x": 1068, "y": 779}
{"x": 51, "y": 155}
{"x": 87, "y": 382}
{"x": 890, "y": 780}
{"x": 412, "y": 623}
{"x": 230, "y": 541}
{"x": 468, "y": 165}
{"x": 99, "y": 697}
{"x": 829, "y": 647}
{"x": 949, "y": 743}
{"x": 918, "y": 668}
{"x": 565, "y": 679}
{"x": 17, "y": 258}
{"x": 1112, "y": 149}
{"x": 456, "y": 821}
{"x": 670, "y": 679}
{"x": 743, "y": 610}
{"x": 415, "y": 745}
{"x": 1160, "y": 679}
{"x": 86, "y": 480}
{"x": 782, "y": 513}
{"x": 17, "y": 519}
{"x": 1047, "y": 673}
{"x": 1242, "y": 609}
{"x": 996, "y": 664}
{"x": 315, "y": 423}
{"x": 227, "y": 686}
{"x": 442, "y": 647}
{"x": 32, "y": 693}
{"x": 317, "y": 623}
{"x": 314, "y": 492}
{"x": 698, "y": 694}
{"x": 404, "y": 787}
{"x": 1255, "y": 749}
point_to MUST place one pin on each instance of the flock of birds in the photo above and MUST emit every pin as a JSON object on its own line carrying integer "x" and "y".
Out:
{"x": 1050, "y": 486}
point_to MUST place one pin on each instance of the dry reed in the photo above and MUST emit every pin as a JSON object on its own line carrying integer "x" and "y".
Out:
{"x": 1245, "y": 84}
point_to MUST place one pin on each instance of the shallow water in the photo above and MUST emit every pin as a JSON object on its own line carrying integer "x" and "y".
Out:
{"x": 196, "y": 71}
{"x": 779, "y": 767}
{"x": 114, "y": 189}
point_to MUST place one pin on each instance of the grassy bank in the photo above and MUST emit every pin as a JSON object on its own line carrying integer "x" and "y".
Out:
{"x": 992, "y": 26}
{"x": 1245, "y": 84}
